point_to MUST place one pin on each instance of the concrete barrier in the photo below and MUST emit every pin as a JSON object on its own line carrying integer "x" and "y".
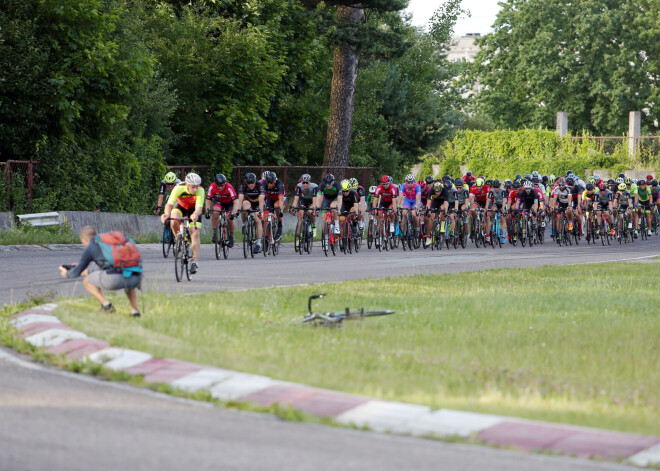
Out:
{"x": 7, "y": 220}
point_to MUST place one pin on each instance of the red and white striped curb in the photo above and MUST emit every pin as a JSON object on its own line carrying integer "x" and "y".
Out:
{"x": 40, "y": 327}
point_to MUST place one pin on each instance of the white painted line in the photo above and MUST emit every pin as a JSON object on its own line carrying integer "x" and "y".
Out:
{"x": 382, "y": 416}
{"x": 650, "y": 456}
{"x": 54, "y": 337}
{"x": 445, "y": 422}
{"x": 202, "y": 379}
{"x": 239, "y": 385}
{"x": 614, "y": 261}
{"x": 32, "y": 319}
{"x": 119, "y": 358}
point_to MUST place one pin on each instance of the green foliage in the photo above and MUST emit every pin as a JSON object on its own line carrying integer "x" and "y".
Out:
{"x": 595, "y": 59}
{"x": 502, "y": 154}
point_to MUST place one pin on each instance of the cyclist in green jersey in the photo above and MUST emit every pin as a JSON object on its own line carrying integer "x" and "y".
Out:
{"x": 624, "y": 201}
{"x": 644, "y": 202}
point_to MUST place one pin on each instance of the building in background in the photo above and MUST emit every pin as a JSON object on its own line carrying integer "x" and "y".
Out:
{"x": 463, "y": 48}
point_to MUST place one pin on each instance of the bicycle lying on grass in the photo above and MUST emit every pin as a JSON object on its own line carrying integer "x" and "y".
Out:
{"x": 336, "y": 318}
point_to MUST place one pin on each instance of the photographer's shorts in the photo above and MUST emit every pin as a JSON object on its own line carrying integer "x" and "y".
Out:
{"x": 113, "y": 281}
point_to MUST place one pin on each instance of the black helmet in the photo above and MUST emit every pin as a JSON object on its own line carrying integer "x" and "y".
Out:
{"x": 568, "y": 172}
{"x": 508, "y": 183}
{"x": 429, "y": 180}
{"x": 544, "y": 179}
{"x": 459, "y": 183}
{"x": 518, "y": 177}
{"x": 329, "y": 178}
{"x": 590, "y": 187}
{"x": 468, "y": 173}
{"x": 270, "y": 177}
{"x": 250, "y": 178}
{"x": 610, "y": 181}
{"x": 621, "y": 175}
{"x": 448, "y": 184}
{"x": 496, "y": 184}
{"x": 570, "y": 181}
{"x": 654, "y": 182}
{"x": 516, "y": 185}
{"x": 535, "y": 179}
{"x": 489, "y": 182}
{"x": 220, "y": 179}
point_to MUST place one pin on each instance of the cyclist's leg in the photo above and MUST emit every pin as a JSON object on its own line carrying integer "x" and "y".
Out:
{"x": 176, "y": 215}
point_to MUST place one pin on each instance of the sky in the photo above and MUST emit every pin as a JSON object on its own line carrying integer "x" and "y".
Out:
{"x": 483, "y": 15}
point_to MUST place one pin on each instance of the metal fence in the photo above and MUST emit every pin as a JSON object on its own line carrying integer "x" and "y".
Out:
{"x": 203, "y": 171}
{"x": 646, "y": 149}
{"x": 290, "y": 175}
{"x": 17, "y": 178}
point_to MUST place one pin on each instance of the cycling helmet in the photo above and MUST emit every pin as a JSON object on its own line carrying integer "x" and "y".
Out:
{"x": 573, "y": 176}
{"x": 429, "y": 180}
{"x": 306, "y": 178}
{"x": 170, "y": 177}
{"x": 561, "y": 182}
{"x": 354, "y": 183}
{"x": 459, "y": 183}
{"x": 480, "y": 182}
{"x": 596, "y": 177}
{"x": 649, "y": 178}
{"x": 551, "y": 180}
{"x": 271, "y": 177}
{"x": 641, "y": 182}
{"x": 654, "y": 182}
{"x": 602, "y": 186}
{"x": 422, "y": 183}
{"x": 516, "y": 184}
{"x": 527, "y": 185}
{"x": 535, "y": 179}
{"x": 508, "y": 183}
{"x": 610, "y": 182}
{"x": 527, "y": 176}
{"x": 437, "y": 186}
{"x": 250, "y": 178}
{"x": 628, "y": 181}
{"x": 544, "y": 179}
{"x": 619, "y": 180}
{"x": 220, "y": 179}
{"x": 622, "y": 186}
{"x": 345, "y": 185}
{"x": 621, "y": 175}
{"x": 590, "y": 186}
{"x": 570, "y": 181}
{"x": 263, "y": 174}
{"x": 372, "y": 189}
{"x": 468, "y": 174}
{"x": 489, "y": 182}
{"x": 569, "y": 172}
{"x": 591, "y": 179}
{"x": 552, "y": 175}
{"x": 518, "y": 177}
{"x": 384, "y": 179}
{"x": 448, "y": 184}
{"x": 496, "y": 184}
{"x": 535, "y": 173}
{"x": 193, "y": 179}
{"x": 329, "y": 178}
{"x": 446, "y": 177}
{"x": 410, "y": 178}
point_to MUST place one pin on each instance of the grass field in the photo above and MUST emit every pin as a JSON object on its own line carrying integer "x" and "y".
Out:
{"x": 565, "y": 344}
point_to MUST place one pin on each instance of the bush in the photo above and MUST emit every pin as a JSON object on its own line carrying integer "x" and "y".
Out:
{"x": 502, "y": 154}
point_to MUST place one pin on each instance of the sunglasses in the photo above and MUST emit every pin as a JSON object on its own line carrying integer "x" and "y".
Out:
{"x": 305, "y": 183}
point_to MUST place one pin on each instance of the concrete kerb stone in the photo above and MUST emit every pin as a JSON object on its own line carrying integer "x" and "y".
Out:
{"x": 54, "y": 337}
{"x": 445, "y": 422}
{"x": 32, "y": 319}
{"x": 239, "y": 385}
{"x": 648, "y": 457}
{"x": 203, "y": 379}
{"x": 384, "y": 416}
{"x": 118, "y": 358}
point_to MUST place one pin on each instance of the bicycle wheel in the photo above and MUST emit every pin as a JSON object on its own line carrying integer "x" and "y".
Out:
{"x": 167, "y": 240}
{"x": 218, "y": 243}
{"x": 370, "y": 233}
{"x": 377, "y": 313}
{"x": 178, "y": 259}
{"x": 186, "y": 259}
{"x": 225, "y": 241}
{"x": 324, "y": 238}
{"x": 273, "y": 240}
{"x": 298, "y": 237}
{"x": 464, "y": 235}
{"x": 334, "y": 241}
{"x": 403, "y": 234}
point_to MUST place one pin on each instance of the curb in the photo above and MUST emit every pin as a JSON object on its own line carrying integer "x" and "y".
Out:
{"x": 41, "y": 328}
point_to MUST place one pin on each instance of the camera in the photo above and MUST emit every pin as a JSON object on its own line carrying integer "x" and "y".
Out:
{"x": 67, "y": 267}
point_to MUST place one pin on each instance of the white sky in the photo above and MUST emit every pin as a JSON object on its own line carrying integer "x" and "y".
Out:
{"x": 483, "y": 14}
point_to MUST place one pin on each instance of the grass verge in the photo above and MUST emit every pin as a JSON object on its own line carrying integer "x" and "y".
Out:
{"x": 562, "y": 344}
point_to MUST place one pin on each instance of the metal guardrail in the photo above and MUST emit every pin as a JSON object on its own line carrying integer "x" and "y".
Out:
{"x": 41, "y": 219}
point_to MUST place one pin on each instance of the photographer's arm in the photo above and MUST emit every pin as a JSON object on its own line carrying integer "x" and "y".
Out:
{"x": 85, "y": 259}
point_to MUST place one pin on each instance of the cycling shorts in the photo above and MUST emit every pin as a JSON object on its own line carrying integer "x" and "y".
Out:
{"x": 645, "y": 205}
{"x": 495, "y": 207}
{"x": 482, "y": 204}
{"x": 385, "y": 204}
{"x": 186, "y": 213}
{"x": 269, "y": 205}
{"x": 436, "y": 203}
{"x": 561, "y": 207}
{"x": 327, "y": 202}
{"x": 410, "y": 204}
{"x": 305, "y": 203}
{"x": 223, "y": 206}
{"x": 602, "y": 207}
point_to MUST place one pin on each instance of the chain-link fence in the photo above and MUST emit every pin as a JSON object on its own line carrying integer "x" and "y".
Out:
{"x": 646, "y": 149}
{"x": 17, "y": 184}
{"x": 290, "y": 175}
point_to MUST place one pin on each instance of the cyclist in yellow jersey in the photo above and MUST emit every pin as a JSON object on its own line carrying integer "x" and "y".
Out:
{"x": 644, "y": 200}
{"x": 187, "y": 200}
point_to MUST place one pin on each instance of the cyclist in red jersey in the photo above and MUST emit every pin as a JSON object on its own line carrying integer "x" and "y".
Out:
{"x": 511, "y": 200}
{"x": 478, "y": 197}
{"x": 224, "y": 198}
{"x": 385, "y": 197}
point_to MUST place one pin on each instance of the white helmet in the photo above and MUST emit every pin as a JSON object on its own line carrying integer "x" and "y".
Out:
{"x": 410, "y": 178}
{"x": 619, "y": 180}
{"x": 528, "y": 184}
{"x": 372, "y": 189}
{"x": 263, "y": 174}
{"x": 193, "y": 179}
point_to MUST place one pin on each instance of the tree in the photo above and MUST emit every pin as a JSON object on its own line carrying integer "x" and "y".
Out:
{"x": 595, "y": 59}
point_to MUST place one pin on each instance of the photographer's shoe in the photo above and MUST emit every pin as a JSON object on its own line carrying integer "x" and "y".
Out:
{"x": 107, "y": 308}
{"x": 135, "y": 314}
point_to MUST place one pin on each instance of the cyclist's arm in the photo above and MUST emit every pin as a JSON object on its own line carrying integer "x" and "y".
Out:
{"x": 262, "y": 199}
{"x": 295, "y": 201}
{"x": 161, "y": 197}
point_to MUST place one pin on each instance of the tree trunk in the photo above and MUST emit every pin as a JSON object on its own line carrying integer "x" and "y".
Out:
{"x": 342, "y": 97}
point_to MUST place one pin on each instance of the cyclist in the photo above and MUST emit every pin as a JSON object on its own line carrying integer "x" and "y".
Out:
{"x": 511, "y": 200}
{"x": 462, "y": 198}
{"x": 469, "y": 179}
{"x": 495, "y": 202}
{"x": 166, "y": 186}
{"x": 588, "y": 199}
{"x": 410, "y": 197}
{"x": 303, "y": 197}
{"x": 370, "y": 198}
{"x": 187, "y": 200}
{"x": 528, "y": 198}
{"x": 561, "y": 202}
{"x": 385, "y": 196}
{"x": 624, "y": 201}
{"x": 251, "y": 196}
{"x": 604, "y": 205}
{"x": 655, "y": 194}
{"x": 478, "y": 196}
{"x": 349, "y": 204}
{"x": 274, "y": 199}
{"x": 362, "y": 205}
{"x": 438, "y": 200}
{"x": 644, "y": 200}
{"x": 329, "y": 197}
{"x": 224, "y": 198}
{"x": 574, "y": 208}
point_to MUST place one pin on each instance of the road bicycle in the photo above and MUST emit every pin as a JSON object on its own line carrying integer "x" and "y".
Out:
{"x": 304, "y": 236}
{"x": 249, "y": 232}
{"x": 496, "y": 229}
{"x": 221, "y": 234}
{"x": 461, "y": 232}
{"x": 182, "y": 249}
{"x": 270, "y": 239}
{"x": 335, "y": 319}
{"x": 167, "y": 240}
{"x": 385, "y": 233}
{"x": 348, "y": 232}
{"x": 329, "y": 240}
{"x": 478, "y": 233}
{"x": 409, "y": 232}
{"x": 371, "y": 229}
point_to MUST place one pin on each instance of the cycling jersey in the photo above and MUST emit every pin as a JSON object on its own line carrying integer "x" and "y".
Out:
{"x": 274, "y": 192}
{"x": 425, "y": 194}
{"x": 575, "y": 191}
{"x": 185, "y": 200}
{"x": 462, "y": 196}
{"x": 330, "y": 192}
{"x": 604, "y": 197}
{"x": 633, "y": 189}
{"x": 562, "y": 195}
{"x": 480, "y": 193}
{"x": 361, "y": 192}
{"x": 643, "y": 195}
{"x": 163, "y": 186}
{"x": 306, "y": 193}
{"x": 387, "y": 194}
{"x": 224, "y": 196}
{"x": 513, "y": 196}
{"x": 539, "y": 193}
{"x": 655, "y": 193}
{"x": 528, "y": 198}
{"x": 497, "y": 195}
{"x": 410, "y": 193}
{"x": 347, "y": 201}
{"x": 624, "y": 198}
{"x": 252, "y": 195}
{"x": 588, "y": 197}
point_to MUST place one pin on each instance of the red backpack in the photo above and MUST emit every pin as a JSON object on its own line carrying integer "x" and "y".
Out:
{"x": 120, "y": 252}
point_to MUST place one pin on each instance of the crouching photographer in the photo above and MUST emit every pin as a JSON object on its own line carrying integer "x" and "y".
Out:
{"x": 119, "y": 266}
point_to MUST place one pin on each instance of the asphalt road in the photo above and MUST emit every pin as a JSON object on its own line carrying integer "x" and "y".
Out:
{"x": 59, "y": 421}
{"x": 35, "y": 270}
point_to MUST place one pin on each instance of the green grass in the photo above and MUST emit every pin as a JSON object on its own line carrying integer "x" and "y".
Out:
{"x": 563, "y": 344}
